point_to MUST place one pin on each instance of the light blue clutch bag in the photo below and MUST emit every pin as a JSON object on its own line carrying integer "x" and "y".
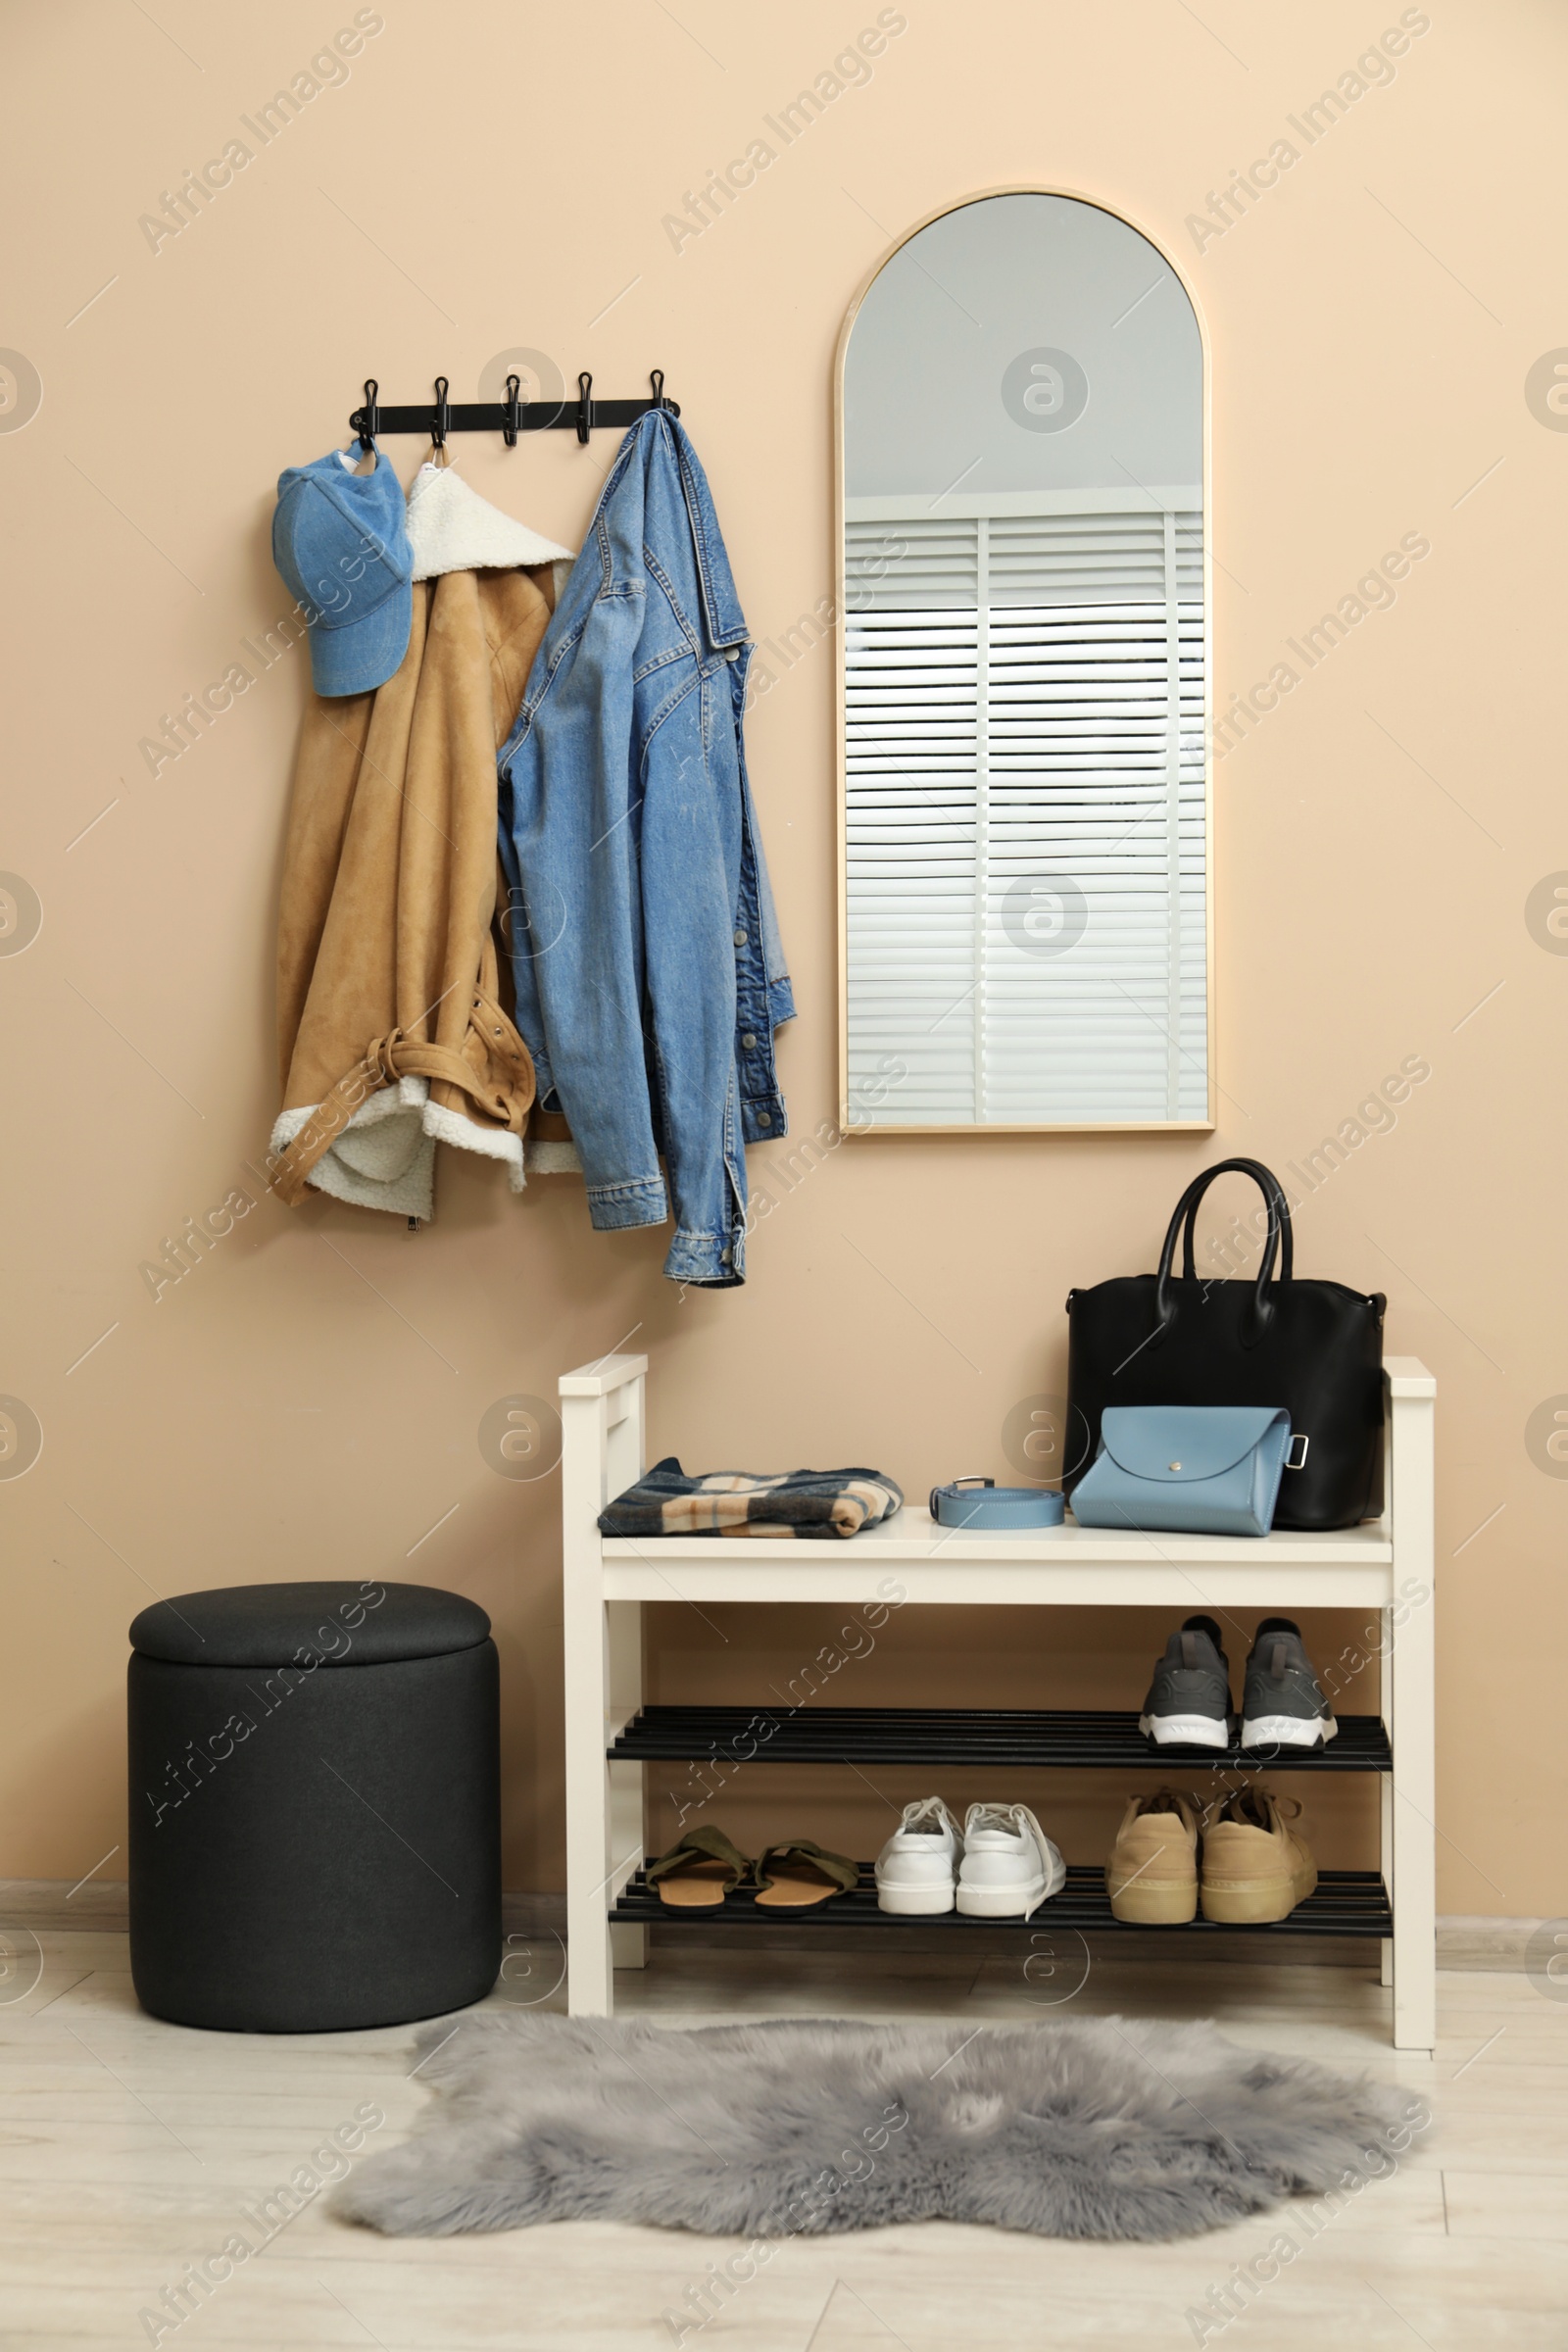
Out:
{"x": 1186, "y": 1469}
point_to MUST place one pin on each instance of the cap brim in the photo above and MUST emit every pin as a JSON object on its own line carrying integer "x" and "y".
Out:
{"x": 357, "y": 659}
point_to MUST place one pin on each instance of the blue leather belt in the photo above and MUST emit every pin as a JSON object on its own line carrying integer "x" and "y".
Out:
{"x": 977, "y": 1504}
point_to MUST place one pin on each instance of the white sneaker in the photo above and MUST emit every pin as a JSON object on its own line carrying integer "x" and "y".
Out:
{"x": 1009, "y": 1865}
{"x": 917, "y": 1868}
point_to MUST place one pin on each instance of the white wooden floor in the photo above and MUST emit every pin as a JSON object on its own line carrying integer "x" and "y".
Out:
{"x": 128, "y": 2149}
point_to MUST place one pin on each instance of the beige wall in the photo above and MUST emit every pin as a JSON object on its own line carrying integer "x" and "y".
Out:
{"x": 306, "y": 1401}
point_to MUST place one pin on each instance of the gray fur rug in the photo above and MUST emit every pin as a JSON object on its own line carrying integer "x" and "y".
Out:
{"x": 1100, "y": 2128}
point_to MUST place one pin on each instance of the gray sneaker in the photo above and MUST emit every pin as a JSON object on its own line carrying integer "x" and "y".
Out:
{"x": 1283, "y": 1705}
{"x": 1189, "y": 1702}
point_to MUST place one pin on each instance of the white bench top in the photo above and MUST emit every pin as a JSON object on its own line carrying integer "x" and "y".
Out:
{"x": 1075, "y": 1565}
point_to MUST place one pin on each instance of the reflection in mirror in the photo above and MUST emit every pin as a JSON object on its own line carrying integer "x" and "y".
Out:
{"x": 1025, "y": 781}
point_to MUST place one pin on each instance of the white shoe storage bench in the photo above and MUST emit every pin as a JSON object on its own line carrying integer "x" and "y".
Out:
{"x": 1385, "y": 1566}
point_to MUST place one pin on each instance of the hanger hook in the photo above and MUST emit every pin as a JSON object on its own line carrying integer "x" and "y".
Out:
{"x": 509, "y": 411}
{"x": 441, "y": 419}
{"x": 370, "y": 417}
{"x": 585, "y": 405}
{"x": 656, "y": 381}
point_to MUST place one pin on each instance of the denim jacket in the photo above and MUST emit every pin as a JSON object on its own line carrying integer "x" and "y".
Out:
{"x": 646, "y": 956}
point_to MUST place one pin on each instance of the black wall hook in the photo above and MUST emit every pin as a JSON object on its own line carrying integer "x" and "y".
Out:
{"x": 509, "y": 416}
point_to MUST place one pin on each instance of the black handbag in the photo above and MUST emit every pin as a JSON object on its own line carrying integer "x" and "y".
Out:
{"x": 1316, "y": 1347}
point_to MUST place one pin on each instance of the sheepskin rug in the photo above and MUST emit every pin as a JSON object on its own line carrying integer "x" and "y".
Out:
{"x": 1100, "y": 2128}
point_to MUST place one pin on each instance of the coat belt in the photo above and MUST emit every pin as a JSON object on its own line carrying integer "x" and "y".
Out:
{"x": 399, "y": 1055}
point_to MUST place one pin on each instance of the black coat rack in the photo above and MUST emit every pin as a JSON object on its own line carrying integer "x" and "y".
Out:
{"x": 509, "y": 416}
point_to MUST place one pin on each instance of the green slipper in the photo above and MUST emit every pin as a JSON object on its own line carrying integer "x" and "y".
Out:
{"x": 697, "y": 1873}
{"x": 796, "y": 1875}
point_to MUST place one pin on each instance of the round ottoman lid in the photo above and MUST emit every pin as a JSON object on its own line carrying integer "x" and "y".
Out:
{"x": 341, "y": 1623}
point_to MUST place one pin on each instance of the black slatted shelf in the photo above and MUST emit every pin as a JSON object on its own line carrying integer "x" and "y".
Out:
{"x": 1346, "y": 1902}
{"x": 1016, "y": 1739}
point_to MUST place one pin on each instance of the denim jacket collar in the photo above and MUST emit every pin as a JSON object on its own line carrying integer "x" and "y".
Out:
{"x": 722, "y": 605}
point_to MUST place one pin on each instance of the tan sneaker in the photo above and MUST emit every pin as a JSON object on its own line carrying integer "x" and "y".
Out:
{"x": 1152, "y": 1876}
{"x": 1255, "y": 1866}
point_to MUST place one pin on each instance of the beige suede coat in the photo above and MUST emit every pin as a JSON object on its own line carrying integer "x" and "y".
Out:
{"x": 391, "y": 1032}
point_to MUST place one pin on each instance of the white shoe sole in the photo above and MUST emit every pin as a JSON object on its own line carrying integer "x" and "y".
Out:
{"x": 1288, "y": 1731}
{"x": 915, "y": 1902}
{"x": 1010, "y": 1902}
{"x": 1185, "y": 1731}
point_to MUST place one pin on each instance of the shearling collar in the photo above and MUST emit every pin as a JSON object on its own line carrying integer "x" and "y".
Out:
{"x": 452, "y": 528}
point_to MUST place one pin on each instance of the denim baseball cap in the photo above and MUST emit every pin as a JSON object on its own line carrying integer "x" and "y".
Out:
{"x": 341, "y": 541}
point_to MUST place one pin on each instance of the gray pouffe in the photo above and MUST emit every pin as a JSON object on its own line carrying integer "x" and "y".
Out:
{"x": 315, "y": 1806}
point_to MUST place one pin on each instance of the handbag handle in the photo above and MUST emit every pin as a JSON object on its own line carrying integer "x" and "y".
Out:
{"x": 1278, "y": 1244}
{"x": 1273, "y": 1190}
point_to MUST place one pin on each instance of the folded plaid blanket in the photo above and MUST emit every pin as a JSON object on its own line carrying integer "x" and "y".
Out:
{"x": 665, "y": 1502}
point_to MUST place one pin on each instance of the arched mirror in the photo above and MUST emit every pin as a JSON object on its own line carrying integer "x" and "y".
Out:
{"x": 1025, "y": 795}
